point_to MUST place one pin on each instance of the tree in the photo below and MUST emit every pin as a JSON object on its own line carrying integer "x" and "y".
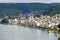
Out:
{"x": 58, "y": 38}
{"x": 55, "y": 27}
{"x": 5, "y": 20}
{"x": 59, "y": 26}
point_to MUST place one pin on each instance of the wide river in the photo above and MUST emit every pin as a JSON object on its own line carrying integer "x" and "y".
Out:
{"x": 14, "y": 32}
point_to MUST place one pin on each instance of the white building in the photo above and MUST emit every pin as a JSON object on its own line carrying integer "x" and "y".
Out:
{"x": 13, "y": 21}
{"x": 37, "y": 23}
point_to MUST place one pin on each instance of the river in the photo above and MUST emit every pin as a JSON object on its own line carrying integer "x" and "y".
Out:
{"x": 14, "y": 32}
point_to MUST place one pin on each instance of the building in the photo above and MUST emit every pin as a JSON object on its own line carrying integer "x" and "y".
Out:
{"x": 13, "y": 21}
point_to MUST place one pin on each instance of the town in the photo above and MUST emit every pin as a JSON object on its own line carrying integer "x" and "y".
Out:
{"x": 42, "y": 21}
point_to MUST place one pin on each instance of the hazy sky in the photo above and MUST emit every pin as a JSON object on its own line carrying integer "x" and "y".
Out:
{"x": 29, "y": 1}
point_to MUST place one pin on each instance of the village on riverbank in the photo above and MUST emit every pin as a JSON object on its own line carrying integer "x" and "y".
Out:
{"x": 43, "y": 21}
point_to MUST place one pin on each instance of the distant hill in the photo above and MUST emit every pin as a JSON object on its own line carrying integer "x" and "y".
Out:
{"x": 25, "y": 6}
{"x": 53, "y": 10}
{"x": 36, "y": 8}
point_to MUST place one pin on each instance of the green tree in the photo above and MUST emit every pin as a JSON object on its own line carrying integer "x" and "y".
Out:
{"x": 55, "y": 27}
{"x": 5, "y": 20}
{"x": 58, "y": 38}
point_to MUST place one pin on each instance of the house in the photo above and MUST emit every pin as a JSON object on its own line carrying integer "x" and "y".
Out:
{"x": 13, "y": 21}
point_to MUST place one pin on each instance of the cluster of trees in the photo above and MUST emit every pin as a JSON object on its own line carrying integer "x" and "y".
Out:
{"x": 58, "y": 38}
{"x": 5, "y": 20}
{"x": 9, "y": 11}
{"x": 16, "y": 9}
{"x": 57, "y": 27}
{"x": 53, "y": 10}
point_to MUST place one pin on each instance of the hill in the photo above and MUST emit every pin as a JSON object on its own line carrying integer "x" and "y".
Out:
{"x": 26, "y": 8}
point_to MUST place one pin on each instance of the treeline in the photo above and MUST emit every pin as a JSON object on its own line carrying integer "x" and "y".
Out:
{"x": 53, "y": 10}
{"x": 25, "y": 8}
{"x": 9, "y": 11}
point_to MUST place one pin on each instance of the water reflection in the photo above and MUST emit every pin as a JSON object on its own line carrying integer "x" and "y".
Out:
{"x": 14, "y": 32}
{"x": 52, "y": 36}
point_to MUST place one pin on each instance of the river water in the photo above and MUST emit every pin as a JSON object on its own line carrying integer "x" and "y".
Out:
{"x": 14, "y": 32}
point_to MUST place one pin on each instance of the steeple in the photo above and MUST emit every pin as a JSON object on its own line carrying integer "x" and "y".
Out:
{"x": 56, "y": 16}
{"x": 31, "y": 17}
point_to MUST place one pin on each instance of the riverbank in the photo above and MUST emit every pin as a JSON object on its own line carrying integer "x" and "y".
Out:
{"x": 38, "y": 27}
{"x": 42, "y": 28}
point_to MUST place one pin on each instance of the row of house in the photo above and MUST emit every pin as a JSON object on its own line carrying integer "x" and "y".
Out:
{"x": 44, "y": 21}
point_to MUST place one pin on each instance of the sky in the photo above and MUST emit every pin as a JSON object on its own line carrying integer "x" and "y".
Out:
{"x": 29, "y": 1}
